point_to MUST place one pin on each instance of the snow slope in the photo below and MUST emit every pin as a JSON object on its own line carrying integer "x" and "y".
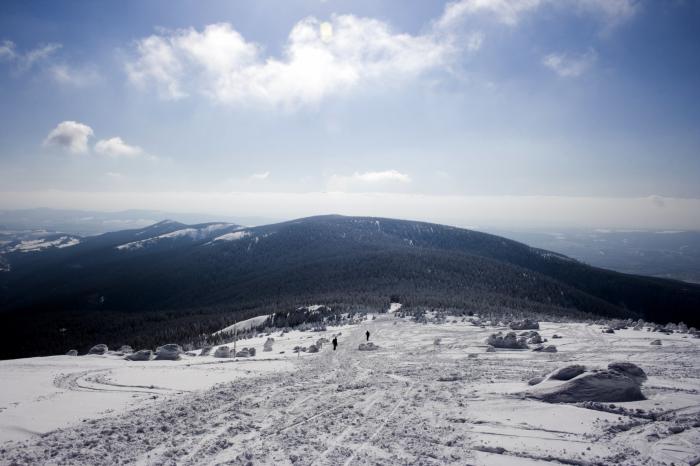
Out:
{"x": 44, "y": 243}
{"x": 233, "y": 236}
{"x": 191, "y": 233}
{"x": 412, "y": 401}
{"x": 244, "y": 325}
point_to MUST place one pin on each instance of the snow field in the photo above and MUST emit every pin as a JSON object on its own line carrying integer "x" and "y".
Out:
{"x": 408, "y": 402}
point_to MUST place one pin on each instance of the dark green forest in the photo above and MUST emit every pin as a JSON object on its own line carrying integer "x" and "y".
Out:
{"x": 183, "y": 289}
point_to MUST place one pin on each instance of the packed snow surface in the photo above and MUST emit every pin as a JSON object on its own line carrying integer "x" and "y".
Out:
{"x": 410, "y": 401}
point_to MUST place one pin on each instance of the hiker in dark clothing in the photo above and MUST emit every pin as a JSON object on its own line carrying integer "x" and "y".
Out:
{"x": 367, "y": 335}
{"x": 335, "y": 343}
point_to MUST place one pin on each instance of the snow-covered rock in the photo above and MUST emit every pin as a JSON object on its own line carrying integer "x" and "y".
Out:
{"x": 99, "y": 349}
{"x": 126, "y": 349}
{"x": 525, "y": 324}
{"x": 509, "y": 340}
{"x": 632, "y": 371}
{"x": 243, "y": 353}
{"x": 656, "y": 342}
{"x": 602, "y": 386}
{"x": 567, "y": 372}
{"x": 367, "y": 346}
{"x": 222, "y": 352}
{"x": 141, "y": 355}
{"x": 312, "y": 349}
{"x": 169, "y": 352}
{"x": 72, "y": 352}
{"x": 535, "y": 380}
{"x": 545, "y": 349}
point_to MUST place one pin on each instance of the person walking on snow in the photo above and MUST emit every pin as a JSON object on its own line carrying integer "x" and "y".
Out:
{"x": 335, "y": 343}
{"x": 367, "y": 333}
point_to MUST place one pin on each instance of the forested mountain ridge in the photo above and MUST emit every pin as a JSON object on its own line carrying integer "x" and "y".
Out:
{"x": 326, "y": 259}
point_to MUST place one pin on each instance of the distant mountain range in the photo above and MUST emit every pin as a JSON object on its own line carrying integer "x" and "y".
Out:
{"x": 179, "y": 269}
{"x": 84, "y": 222}
{"x": 666, "y": 254}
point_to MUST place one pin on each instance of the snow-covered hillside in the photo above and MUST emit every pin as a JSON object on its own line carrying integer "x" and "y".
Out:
{"x": 244, "y": 325}
{"x": 430, "y": 393}
{"x": 39, "y": 244}
{"x": 192, "y": 233}
{"x": 37, "y": 241}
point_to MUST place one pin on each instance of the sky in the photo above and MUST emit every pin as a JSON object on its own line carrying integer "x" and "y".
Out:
{"x": 505, "y": 113}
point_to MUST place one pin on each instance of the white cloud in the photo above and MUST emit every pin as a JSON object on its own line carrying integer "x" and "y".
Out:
{"x": 505, "y": 11}
{"x": 24, "y": 61}
{"x": 368, "y": 181}
{"x": 610, "y": 12}
{"x": 657, "y": 200}
{"x": 78, "y": 77}
{"x": 114, "y": 175}
{"x": 116, "y": 147}
{"x": 260, "y": 176}
{"x": 42, "y": 56}
{"x": 474, "y": 41}
{"x": 320, "y": 59}
{"x": 38, "y": 54}
{"x": 388, "y": 175}
{"x": 71, "y": 136}
{"x": 568, "y": 66}
{"x": 7, "y": 50}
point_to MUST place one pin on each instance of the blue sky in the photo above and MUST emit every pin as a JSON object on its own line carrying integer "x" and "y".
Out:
{"x": 473, "y": 112}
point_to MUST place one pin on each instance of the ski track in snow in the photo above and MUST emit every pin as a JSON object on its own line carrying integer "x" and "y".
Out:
{"x": 410, "y": 402}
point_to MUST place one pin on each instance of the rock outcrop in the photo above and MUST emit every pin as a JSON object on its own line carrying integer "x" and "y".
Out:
{"x": 525, "y": 324}
{"x": 169, "y": 352}
{"x": 141, "y": 355}
{"x": 567, "y": 372}
{"x": 367, "y": 347}
{"x": 510, "y": 340}
{"x": 621, "y": 382}
{"x": 99, "y": 349}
